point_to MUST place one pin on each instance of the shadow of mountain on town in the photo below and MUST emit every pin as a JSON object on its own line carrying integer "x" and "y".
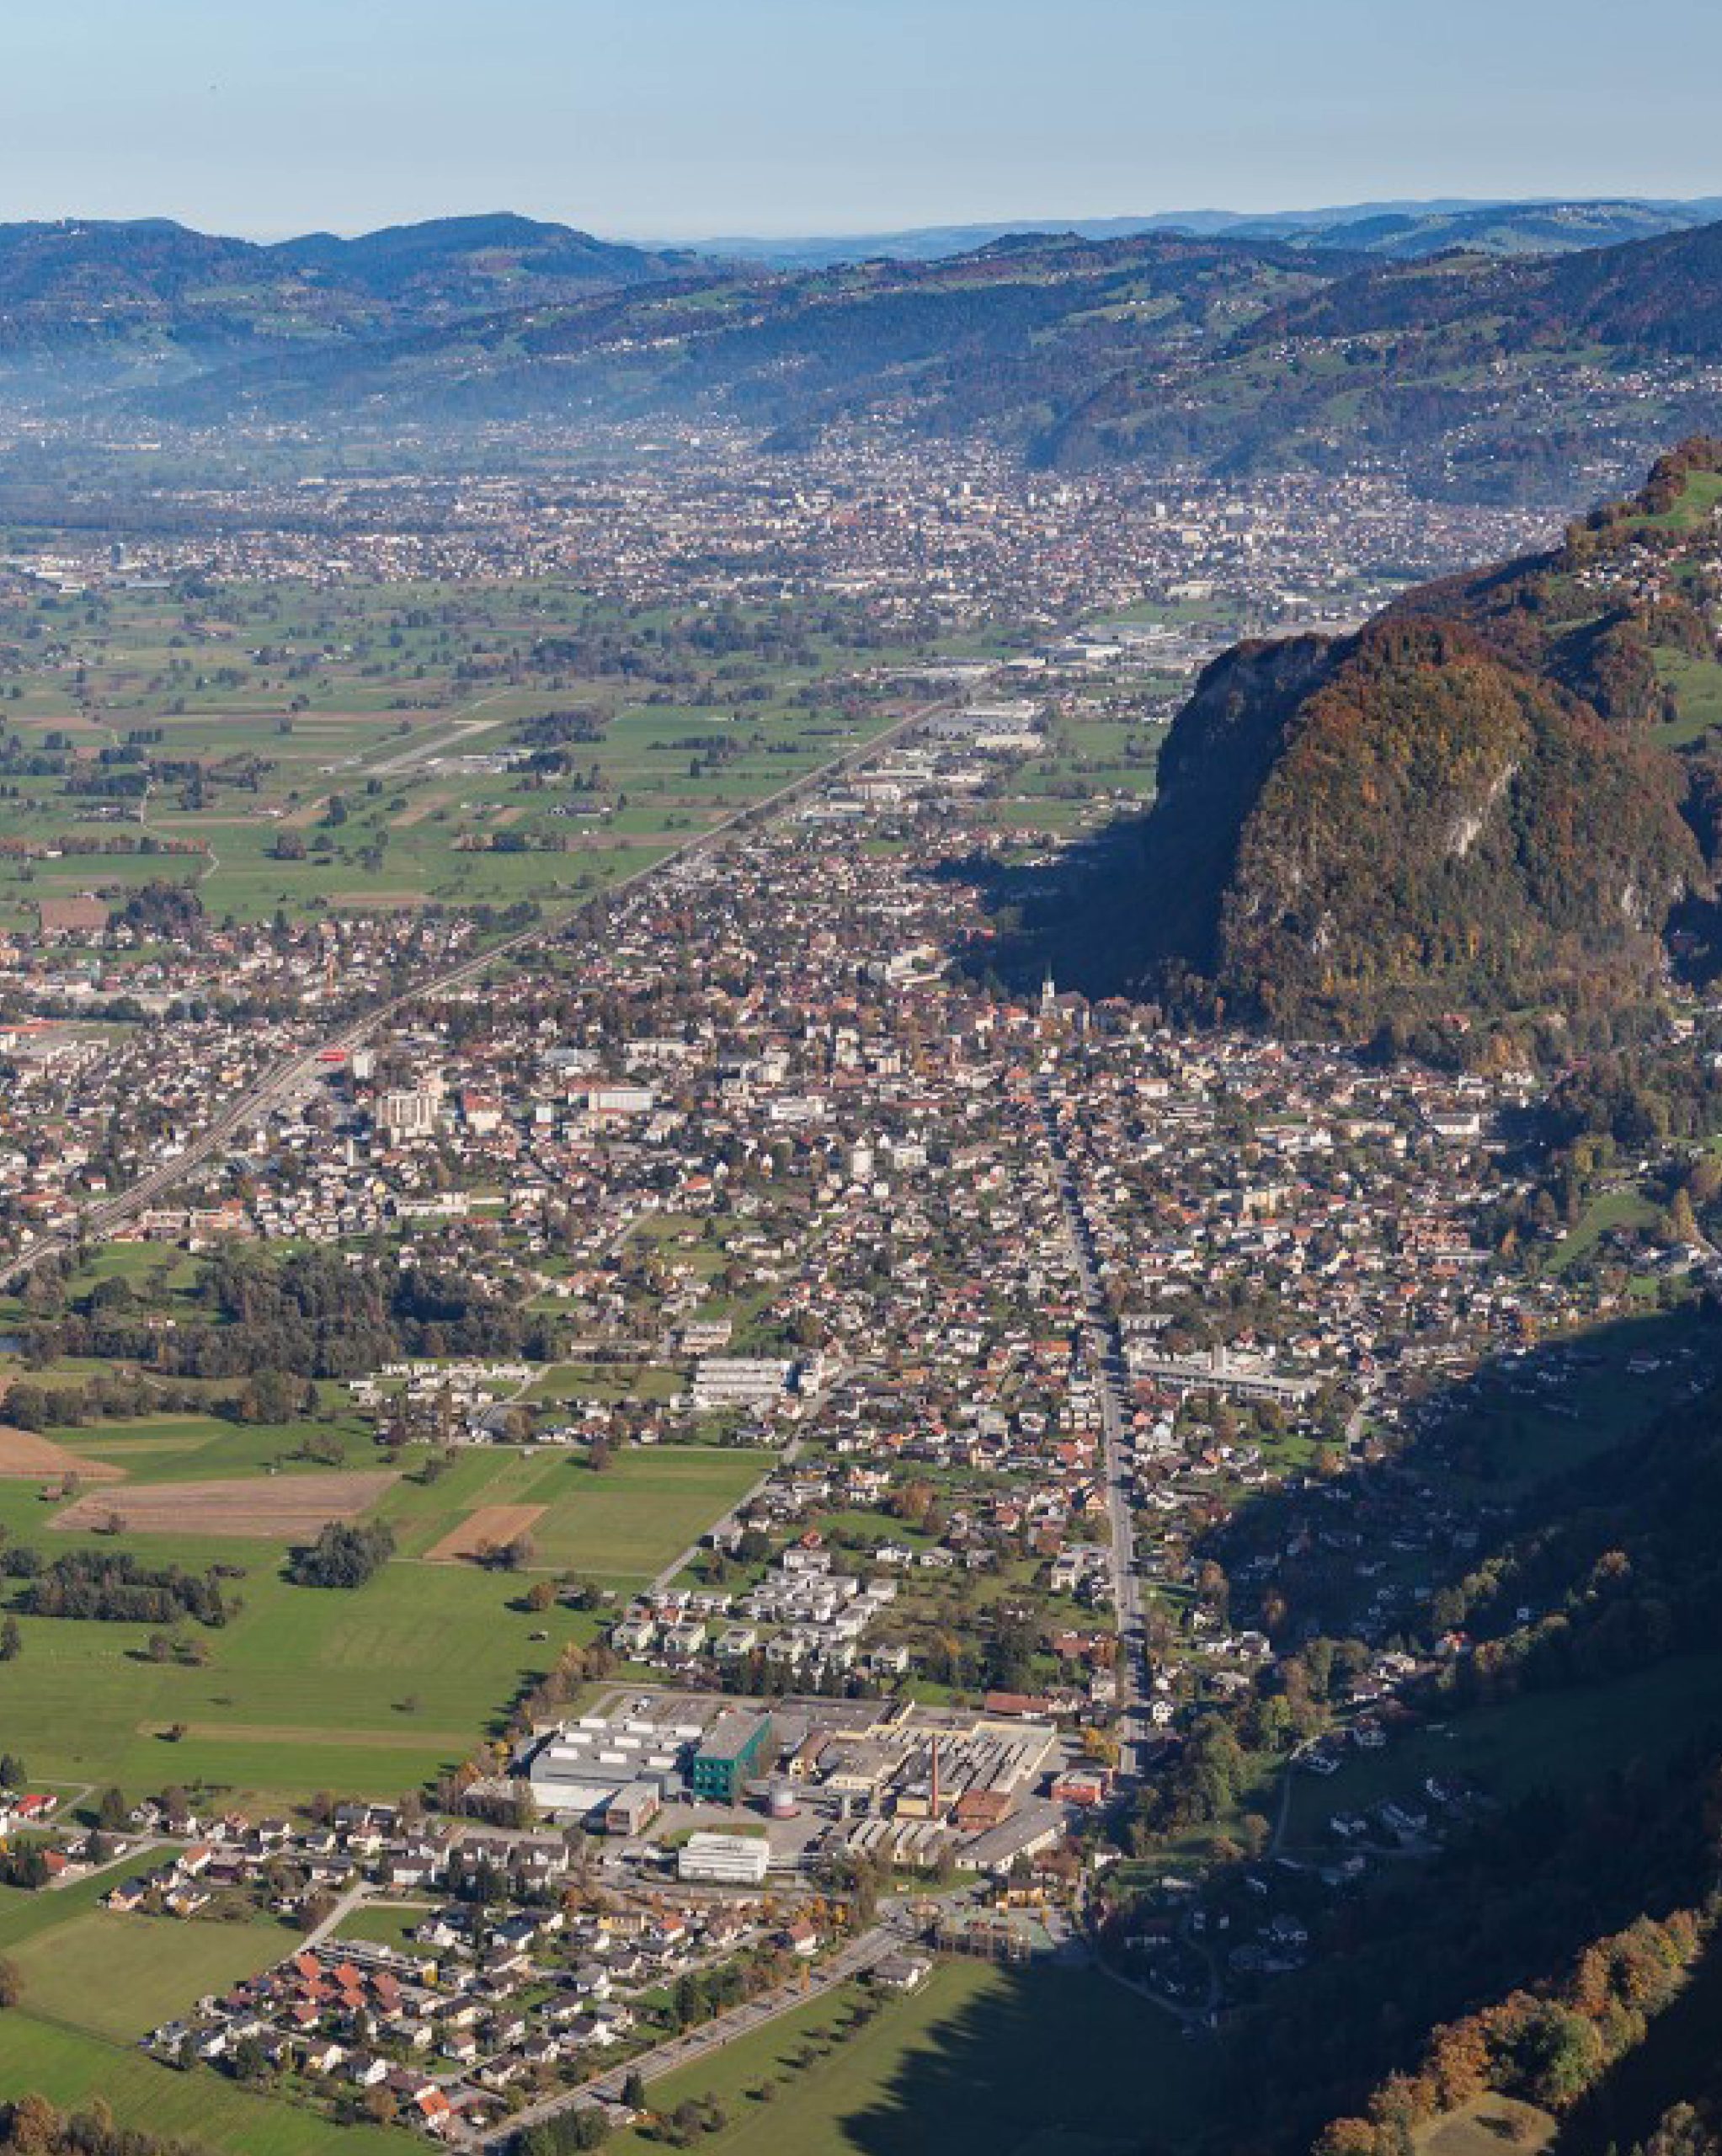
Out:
{"x": 1077, "y": 913}
{"x": 1500, "y": 1453}
{"x": 1599, "y": 1737}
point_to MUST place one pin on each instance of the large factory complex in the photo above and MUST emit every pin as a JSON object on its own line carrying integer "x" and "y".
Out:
{"x": 909, "y": 1785}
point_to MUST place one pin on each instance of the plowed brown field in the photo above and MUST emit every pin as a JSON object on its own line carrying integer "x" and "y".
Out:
{"x": 274, "y": 1509}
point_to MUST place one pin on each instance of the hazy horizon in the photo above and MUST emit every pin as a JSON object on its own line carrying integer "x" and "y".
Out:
{"x": 678, "y": 121}
{"x": 1023, "y": 219}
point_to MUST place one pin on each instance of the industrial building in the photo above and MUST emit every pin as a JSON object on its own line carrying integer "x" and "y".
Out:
{"x": 724, "y": 1859}
{"x": 731, "y": 1754}
{"x": 631, "y": 1810}
{"x": 581, "y": 1772}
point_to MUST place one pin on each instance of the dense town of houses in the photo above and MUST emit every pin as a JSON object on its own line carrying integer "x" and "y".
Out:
{"x": 958, "y": 530}
{"x": 773, "y": 1172}
{"x": 768, "y": 1169}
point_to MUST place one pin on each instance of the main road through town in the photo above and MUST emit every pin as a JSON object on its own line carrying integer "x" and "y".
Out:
{"x": 1106, "y": 1351}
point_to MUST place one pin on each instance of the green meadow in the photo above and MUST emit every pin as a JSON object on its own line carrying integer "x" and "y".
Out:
{"x": 367, "y": 1692}
{"x": 70, "y": 2067}
{"x": 120, "y": 1976}
{"x": 94, "y": 1982}
{"x": 978, "y": 2062}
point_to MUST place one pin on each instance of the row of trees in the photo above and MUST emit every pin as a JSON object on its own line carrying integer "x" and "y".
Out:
{"x": 113, "y": 1587}
{"x": 32, "y": 2126}
{"x": 117, "y": 1395}
{"x": 566, "y": 2134}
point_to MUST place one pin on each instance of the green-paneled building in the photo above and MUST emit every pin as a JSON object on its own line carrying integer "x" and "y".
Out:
{"x": 731, "y": 1754}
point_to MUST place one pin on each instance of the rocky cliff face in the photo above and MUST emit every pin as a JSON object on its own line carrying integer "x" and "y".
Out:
{"x": 1490, "y": 800}
{"x": 1436, "y": 827}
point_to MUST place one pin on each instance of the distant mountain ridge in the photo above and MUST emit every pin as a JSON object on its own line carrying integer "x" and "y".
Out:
{"x": 1405, "y": 228}
{"x": 1662, "y": 293}
{"x": 994, "y": 340}
{"x": 1478, "y": 374}
{"x": 473, "y": 262}
{"x": 1479, "y": 371}
{"x": 90, "y": 282}
{"x": 1474, "y": 374}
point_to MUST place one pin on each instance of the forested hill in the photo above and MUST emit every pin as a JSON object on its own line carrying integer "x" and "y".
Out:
{"x": 1565, "y": 1956}
{"x": 997, "y": 341}
{"x": 105, "y": 296}
{"x": 1471, "y": 373}
{"x": 1494, "y": 362}
{"x": 1502, "y": 798}
{"x": 1660, "y": 294}
{"x": 1477, "y": 374}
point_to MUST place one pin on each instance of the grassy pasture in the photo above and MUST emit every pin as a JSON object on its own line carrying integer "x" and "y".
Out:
{"x": 1484, "y": 2127}
{"x": 120, "y": 1976}
{"x": 70, "y": 2067}
{"x": 94, "y": 1981}
{"x": 1697, "y": 685}
{"x": 975, "y": 2063}
{"x": 367, "y": 1692}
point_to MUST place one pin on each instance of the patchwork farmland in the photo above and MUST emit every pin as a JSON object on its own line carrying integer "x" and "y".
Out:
{"x": 373, "y": 1691}
{"x": 349, "y": 754}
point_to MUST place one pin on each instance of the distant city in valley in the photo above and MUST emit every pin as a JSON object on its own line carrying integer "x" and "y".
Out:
{"x": 860, "y": 1167}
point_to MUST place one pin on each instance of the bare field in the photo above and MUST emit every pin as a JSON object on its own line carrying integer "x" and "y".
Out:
{"x": 24, "y": 1454}
{"x": 282, "y": 1508}
{"x": 492, "y": 1526}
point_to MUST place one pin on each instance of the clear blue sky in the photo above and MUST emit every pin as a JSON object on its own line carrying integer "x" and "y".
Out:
{"x": 684, "y": 117}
